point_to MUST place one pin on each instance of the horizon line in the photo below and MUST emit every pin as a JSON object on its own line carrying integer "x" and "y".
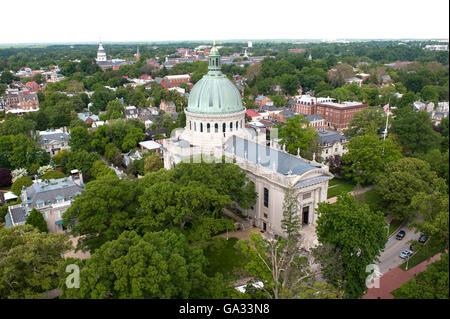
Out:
{"x": 226, "y": 40}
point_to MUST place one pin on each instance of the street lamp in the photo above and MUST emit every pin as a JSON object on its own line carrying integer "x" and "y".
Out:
{"x": 407, "y": 259}
{"x": 387, "y": 228}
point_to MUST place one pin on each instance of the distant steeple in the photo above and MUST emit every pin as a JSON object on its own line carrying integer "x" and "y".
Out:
{"x": 310, "y": 57}
{"x": 138, "y": 54}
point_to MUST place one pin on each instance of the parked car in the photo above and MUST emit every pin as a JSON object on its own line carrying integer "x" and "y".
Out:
{"x": 406, "y": 254}
{"x": 400, "y": 235}
{"x": 423, "y": 239}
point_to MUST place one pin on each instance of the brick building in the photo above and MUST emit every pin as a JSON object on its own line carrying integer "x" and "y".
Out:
{"x": 339, "y": 115}
{"x": 171, "y": 81}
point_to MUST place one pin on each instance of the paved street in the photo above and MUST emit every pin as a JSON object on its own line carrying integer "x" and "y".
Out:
{"x": 389, "y": 258}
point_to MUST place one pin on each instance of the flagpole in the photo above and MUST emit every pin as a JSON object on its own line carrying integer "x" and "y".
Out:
{"x": 387, "y": 120}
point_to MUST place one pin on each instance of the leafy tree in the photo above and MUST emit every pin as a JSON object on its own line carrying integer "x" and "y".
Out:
{"x": 53, "y": 175}
{"x": 81, "y": 160}
{"x": 103, "y": 211}
{"x": 79, "y": 139}
{"x": 415, "y": 132}
{"x": 401, "y": 181}
{"x": 279, "y": 100}
{"x": 36, "y": 219}
{"x": 115, "y": 110}
{"x": 296, "y": 134}
{"x": 429, "y": 284}
{"x": 99, "y": 169}
{"x": 367, "y": 157}
{"x": 152, "y": 163}
{"x": 434, "y": 208}
{"x": 30, "y": 261}
{"x": 368, "y": 121}
{"x": 17, "y": 186}
{"x": 157, "y": 265}
{"x": 291, "y": 222}
{"x": 357, "y": 234}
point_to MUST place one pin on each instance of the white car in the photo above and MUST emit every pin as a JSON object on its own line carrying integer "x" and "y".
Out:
{"x": 406, "y": 254}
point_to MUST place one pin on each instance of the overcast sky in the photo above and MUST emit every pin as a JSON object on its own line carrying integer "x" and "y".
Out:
{"x": 31, "y": 21}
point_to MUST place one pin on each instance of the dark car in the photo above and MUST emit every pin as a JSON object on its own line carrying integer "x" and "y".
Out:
{"x": 423, "y": 239}
{"x": 400, "y": 235}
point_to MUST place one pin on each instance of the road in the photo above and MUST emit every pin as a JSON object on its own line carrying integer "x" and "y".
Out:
{"x": 390, "y": 257}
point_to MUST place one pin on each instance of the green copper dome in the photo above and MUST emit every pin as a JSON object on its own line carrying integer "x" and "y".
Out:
{"x": 214, "y": 93}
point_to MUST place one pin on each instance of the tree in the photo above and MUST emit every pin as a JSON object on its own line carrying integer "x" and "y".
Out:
{"x": 415, "y": 132}
{"x": 297, "y": 135}
{"x": 368, "y": 121}
{"x": 157, "y": 265}
{"x": 115, "y": 110}
{"x": 30, "y": 261}
{"x": 17, "y": 186}
{"x": 401, "y": 181}
{"x": 79, "y": 139}
{"x": 367, "y": 157}
{"x": 152, "y": 163}
{"x": 99, "y": 169}
{"x": 291, "y": 222}
{"x": 429, "y": 284}
{"x": 36, "y": 219}
{"x": 53, "y": 175}
{"x": 434, "y": 208}
{"x": 279, "y": 100}
{"x": 102, "y": 212}
{"x": 357, "y": 234}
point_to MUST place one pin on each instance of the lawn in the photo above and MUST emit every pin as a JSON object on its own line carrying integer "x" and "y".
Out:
{"x": 337, "y": 190}
{"x": 224, "y": 258}
{"x": 429, "y": 249}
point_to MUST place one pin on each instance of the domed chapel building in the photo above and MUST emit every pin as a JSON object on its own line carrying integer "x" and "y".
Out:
{"x": 215, "y": 127}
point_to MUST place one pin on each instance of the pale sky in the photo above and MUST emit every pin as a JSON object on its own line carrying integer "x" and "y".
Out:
{"x": 31, "y": 21}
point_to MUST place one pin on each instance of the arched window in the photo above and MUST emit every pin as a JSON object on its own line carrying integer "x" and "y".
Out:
{"x": 195, "y": 126}
{"x": 231, "y": 126}
{"x": 216, "y": 128}
{"x": 224, "y": 127}
{"x": 201, "y": 127}
{"x": 217, "y": 61}
{"x": 208, "y": 128}
{"x": 237, "y": 125}
{"x": 190, "y": 125}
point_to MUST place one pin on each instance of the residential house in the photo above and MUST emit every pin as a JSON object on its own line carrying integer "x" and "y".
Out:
{"x": 50, "y": 197}
{"x": 53, "y": 141}
{"x": 332, "y": 143}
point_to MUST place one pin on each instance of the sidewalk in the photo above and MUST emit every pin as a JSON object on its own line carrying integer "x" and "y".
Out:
{"x": 395, "y": 278}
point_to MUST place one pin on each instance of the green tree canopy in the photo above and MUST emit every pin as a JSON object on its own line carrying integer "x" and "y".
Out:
{"x": 368, "y": 156}
{"x": 429, "y": 284}
{"x": 357, "y": 234}
{"x": 36, "y": 219}
{"x": 157, "y": 265}
{"x": 30, "y": 261}
{"x": 415, "y": 132}
{"x": 402, "y": 180}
